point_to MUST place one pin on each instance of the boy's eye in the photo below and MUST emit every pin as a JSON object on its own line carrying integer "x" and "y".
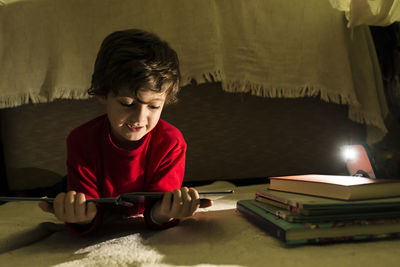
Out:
{"x": 154, "y": 107}
{"x": 127, "y": 104}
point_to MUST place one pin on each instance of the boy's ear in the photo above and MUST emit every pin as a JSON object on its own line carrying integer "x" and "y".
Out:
{"x": 102, "y": 99}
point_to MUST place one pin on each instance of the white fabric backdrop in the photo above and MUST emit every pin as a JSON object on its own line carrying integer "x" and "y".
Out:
{"x": 274, "y": 48}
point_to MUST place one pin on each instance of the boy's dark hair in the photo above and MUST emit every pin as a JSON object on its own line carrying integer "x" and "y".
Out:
{"x": 135, "y": 59}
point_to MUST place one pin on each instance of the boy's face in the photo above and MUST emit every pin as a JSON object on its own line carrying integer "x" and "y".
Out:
{"x": 131, "y": 118}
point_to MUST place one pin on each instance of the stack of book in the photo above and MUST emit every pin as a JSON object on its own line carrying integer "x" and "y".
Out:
{"x": 321, "y": 208}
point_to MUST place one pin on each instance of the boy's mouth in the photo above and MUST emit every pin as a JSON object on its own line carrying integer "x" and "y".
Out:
{"x": 133, "y": 128}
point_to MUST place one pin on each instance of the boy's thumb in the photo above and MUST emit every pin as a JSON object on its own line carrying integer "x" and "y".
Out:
{"x": 205, "y": 203}
{"x": 45, "y": 207}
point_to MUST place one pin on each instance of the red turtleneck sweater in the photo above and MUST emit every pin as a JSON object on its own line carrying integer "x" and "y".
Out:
{"x": 98, "y": 168}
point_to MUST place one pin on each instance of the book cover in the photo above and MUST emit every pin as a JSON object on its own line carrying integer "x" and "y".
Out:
{"x": 337, "y": 186}
{"x": 293, "y": 233}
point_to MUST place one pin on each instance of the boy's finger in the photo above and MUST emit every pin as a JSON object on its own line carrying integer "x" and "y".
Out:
{"x": 80, "y": 207}
{"x": 69, "y": 206}
{"x": 194, "y": 193}
{"x": 58, "y": 205}
{"x": 187, "y": 203}
{"x": 195, "y": 200}
{"x": 91, "y": 211}
{"x": 166, "y": 203}
{"x": 176, "y": 203}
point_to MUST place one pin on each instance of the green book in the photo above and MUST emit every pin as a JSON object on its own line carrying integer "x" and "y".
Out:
{"x": 325, "y": 217}
{"x": 293, "y": 233}
{"x": 312, "y": 205}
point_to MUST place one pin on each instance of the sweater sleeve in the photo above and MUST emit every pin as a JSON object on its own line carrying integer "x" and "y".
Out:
{"x": 82, "y": 178}
{"x": 169, "y": 173}
{"x": 81, "y": 172}
{"x": 167, "y": 176}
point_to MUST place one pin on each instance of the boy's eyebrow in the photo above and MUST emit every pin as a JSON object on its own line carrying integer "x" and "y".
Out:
{"x": 153, "y": 99}
{"x": 143, "y": 102}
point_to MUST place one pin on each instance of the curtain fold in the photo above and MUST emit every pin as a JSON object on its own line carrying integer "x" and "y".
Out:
{"x": 369, "y": 12}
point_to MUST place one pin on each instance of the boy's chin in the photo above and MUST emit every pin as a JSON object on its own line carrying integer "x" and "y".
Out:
{"x": 135, "y": 137}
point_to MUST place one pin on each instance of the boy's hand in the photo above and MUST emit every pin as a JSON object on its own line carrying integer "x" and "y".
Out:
{"x": 71, "y": 207}
{"x": 178, "y": 204}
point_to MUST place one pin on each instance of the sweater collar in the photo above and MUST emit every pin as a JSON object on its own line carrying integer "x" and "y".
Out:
{"x": 109, "y": 140}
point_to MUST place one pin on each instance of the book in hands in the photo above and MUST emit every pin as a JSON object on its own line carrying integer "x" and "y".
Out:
{"x": 337, "y": 186}
{"x": 127, "y": 199}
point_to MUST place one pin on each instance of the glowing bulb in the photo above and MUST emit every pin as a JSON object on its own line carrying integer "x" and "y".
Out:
{"x": 349, "y": 154}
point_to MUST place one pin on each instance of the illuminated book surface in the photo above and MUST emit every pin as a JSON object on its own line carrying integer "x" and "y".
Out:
{"x": 337, "y": 186}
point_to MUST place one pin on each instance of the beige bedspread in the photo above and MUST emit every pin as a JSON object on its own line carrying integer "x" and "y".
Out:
{"x": 217, "y": 236}
{"x": 273, "y": 48}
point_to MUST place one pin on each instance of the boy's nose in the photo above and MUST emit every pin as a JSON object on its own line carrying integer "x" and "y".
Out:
{"x": 138, "y": 116}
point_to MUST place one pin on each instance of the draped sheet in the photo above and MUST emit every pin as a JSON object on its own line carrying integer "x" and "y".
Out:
{"x": 274, "y": 48}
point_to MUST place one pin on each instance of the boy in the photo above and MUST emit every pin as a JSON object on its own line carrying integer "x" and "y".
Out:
{"x": 130, "y": 149}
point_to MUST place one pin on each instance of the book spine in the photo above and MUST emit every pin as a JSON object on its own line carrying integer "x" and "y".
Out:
{"x": 269, "y": 196}
{"x": 271, "y": 228}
